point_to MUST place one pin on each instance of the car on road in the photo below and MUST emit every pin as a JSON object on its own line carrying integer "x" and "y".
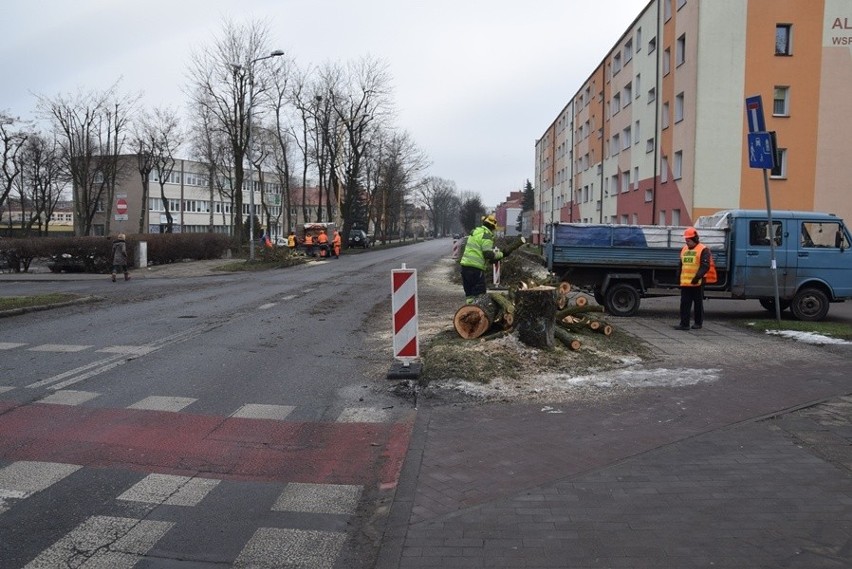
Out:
{"x": 359, "y": 238}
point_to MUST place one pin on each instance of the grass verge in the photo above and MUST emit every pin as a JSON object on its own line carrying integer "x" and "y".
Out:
{"x": 15, "y": 302}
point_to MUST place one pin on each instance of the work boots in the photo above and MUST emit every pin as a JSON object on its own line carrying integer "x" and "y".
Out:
{"x": 126, "y": 276}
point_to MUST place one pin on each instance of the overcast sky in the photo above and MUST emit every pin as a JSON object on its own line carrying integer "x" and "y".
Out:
{"x": 475, "y": 82}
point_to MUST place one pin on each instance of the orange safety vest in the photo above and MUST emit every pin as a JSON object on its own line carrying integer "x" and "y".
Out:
{"x": 309, "y": 240}
{"x": 336, "y": 240}
{"x": 322, "y": 239}
{"x": 690, "y": 261}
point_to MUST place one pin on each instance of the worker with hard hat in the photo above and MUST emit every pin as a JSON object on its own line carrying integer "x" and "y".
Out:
{"x": 696, "y": 264}
{"x": 478, "y": 253}
{"x": 322, "y": 240}
{"x": 335, "y": 244}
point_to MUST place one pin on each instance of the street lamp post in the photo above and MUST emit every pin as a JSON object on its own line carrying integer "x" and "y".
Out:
{"x": 276, "y": 53}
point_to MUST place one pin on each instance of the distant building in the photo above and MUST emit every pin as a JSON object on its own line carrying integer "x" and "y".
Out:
{"x": 508, "y": 214}
{"x": 194, "y": 208}
{"x": 657, "y": 132}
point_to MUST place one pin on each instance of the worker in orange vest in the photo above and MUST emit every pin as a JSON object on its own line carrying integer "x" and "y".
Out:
{"x": 335, "y": 244}
{"x": 323, "y": 243}
{"x": 309, "y": 244}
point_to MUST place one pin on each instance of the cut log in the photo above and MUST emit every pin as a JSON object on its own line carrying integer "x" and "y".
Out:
{"x": 565, "y": 337}
{"x": 535, "y": 309}
{"x": 474, "y": 320}
{"x": 594, "y": 324}
{"x": 561, "y": 301}
{"x": 564, "y": 287}
{"x": 572, "y": 310}
{"x": 504, "y": 302}
{"x": 580, "y": 300}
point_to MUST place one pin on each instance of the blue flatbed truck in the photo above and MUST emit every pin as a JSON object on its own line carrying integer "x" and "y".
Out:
{"x": 621, "y": 264}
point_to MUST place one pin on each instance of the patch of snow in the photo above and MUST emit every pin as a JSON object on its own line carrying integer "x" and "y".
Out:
{"x": 808, "y": 337}
{"x": 659, "y": 377}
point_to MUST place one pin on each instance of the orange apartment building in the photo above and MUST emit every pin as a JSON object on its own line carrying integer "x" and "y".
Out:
{"x": 657, "y": 134}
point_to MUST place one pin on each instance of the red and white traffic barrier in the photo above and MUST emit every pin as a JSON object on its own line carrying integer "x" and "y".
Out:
{"x": 404, "y": 306}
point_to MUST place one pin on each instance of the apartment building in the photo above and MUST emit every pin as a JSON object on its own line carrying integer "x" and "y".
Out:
{"x": 657, "y": 134}
{"x": 195, "y": 207}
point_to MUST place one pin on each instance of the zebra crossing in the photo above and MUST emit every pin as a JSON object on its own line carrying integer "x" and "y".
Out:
{"x": 121, "y": 541}
{"x": 247, "y": 487}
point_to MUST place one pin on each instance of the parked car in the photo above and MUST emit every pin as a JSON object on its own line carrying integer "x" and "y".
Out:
{"x": 68, "y": 263}
{"x": 359, "y": 238}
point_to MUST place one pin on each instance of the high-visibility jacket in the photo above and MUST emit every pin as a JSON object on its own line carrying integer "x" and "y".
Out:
{"x": 322, "y": 239}
{"x": 291, "y": 241}
{"x": 309, "y": 240}
{"x": 336, "y": 240}
{"x": 479, "y": 245}
{"x": 696, "y": 262}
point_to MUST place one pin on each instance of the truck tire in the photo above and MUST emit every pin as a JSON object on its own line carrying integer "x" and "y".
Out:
{"x": 622, "y": 299}
{"x": 810, "y": 305}
{"x": 769, "y": 304}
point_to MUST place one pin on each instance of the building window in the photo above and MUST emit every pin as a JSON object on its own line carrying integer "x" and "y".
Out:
{"x": 638, "y": 39}
{"x": 677, "y": 169}
{"x": 649, "y": 145}
{"x": 667, "y": 10}
{"x": 780, "y": 169}
{"x": 665, "y": 117}
{"x": 628, "y": 51}
{"x": 616, "y": 103}
{"x": 664, "y": 169}
{"x": 680, "y": 50}
{"x": 652, "y": 45}
{"x": 616, "y": 145}
{"x": 652, "y": 95}
{"x": 625, "y": 181}
{"x": 667, "y": 64}
{"x": 661, "y": 218}
{"x": 678, "y": 112}
{"x": 781, "y": 102}
{"x": 625, "y": 138}
{"x": 636, "y": 136}
{"x": 628, "y": 94}
{"x": 681, "y": 4}
{"x": 675, "y": 217}
{"x": 616, "y": 64}
{"x": 783, "y": 39}
{"x": 636, "y": 178}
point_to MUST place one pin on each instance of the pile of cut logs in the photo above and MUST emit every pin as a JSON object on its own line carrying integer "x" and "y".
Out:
{"x": 540, "y": 314}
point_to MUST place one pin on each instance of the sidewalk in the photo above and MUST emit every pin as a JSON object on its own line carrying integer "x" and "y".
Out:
{"x": 751, "y": 470}
{"x": 172, "y": 270}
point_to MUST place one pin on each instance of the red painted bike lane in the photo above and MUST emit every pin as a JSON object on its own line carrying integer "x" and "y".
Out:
{"x": 226, "y": 448}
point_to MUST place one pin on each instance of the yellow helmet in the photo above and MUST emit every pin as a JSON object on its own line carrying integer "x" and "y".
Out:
{"x": 489, "y": 221}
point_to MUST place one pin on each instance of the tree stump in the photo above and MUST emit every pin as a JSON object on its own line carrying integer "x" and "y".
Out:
{"x": 535, "y": 311}
{"x": 473, "y": 320}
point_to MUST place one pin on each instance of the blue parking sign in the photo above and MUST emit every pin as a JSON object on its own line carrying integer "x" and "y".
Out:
{"x": 761, "y": 151}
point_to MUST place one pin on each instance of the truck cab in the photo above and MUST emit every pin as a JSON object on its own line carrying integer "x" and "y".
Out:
{"x": 812, "y": 259}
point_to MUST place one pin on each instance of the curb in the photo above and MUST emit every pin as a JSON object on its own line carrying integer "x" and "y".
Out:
{"x": 40, "y": 307}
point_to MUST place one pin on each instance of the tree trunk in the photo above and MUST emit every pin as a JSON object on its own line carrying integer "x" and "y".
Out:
{"x": 473, "y": 320}
{"x": 535, "y": 311}
{"x": 565, "y": 337}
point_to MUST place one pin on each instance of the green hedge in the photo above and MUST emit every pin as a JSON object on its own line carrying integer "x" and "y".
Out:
{"x": 94, "y": 254}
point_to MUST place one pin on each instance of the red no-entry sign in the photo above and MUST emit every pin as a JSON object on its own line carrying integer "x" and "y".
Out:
{"x": 121, "y": 206}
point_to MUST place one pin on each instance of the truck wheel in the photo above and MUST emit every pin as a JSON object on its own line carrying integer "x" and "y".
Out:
{"x": 769, "y": 304}
{"x": 810, "y": 304}
{"x": 622, "y": 299}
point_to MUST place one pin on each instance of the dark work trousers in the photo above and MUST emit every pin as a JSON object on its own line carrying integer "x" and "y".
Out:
{"x": 473, "y": 281}
{"x": 690, "y": 295}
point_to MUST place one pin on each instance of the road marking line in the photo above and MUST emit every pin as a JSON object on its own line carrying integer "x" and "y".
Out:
{"x": 364, "y": 415}
{"x": 163, "y": 403}
{"x": 126, "y": 350}
{"x": 260, "y": 411}
{"x": 5, "y": 388}
{"x": 58, "y": 348}
{"x": 290, "y": 297}
{"x": 68, "y": 397}
{"x": 10, "y": 345}
{"x": 273, "y": 547}
{"x": 74, "y": 371}
{"x": 169, "y": 490}
{"x": 318, "y": 498}
{"x": 266, "y": 306}
{"x": 103, "y": 541}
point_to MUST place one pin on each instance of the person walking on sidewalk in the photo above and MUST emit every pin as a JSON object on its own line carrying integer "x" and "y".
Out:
{"x": 478, "y": 252}
{"x": 119, "y": 257}
{"x": 694, "y": 264}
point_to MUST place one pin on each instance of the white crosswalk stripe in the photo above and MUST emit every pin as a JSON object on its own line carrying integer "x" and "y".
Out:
{"x": 69, "y": 397}
{"x": 318, "y": 498}
{"x": 24, "y": 478}
{"x": 260, "y": 411}
{"x": 163, "y": 403}
{"x": 10, "y": 345}
{"x": 102, "y": 542}
{"x": 274, "y": 548}
{"x": 170, "y": 490}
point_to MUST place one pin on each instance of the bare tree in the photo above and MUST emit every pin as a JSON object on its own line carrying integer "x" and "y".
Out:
{"x": 225, "y": 81}
{"x": 41, "y": 182}
{"x": 359, "y": 103}
{"x": 283, "y": 135}
{"x": 90, "y": 129}
{"x": 393, "y": 165}
{"x": 11, "y": 142}
{"x": 440, "y": 199}
{"x": 158, "y": 137}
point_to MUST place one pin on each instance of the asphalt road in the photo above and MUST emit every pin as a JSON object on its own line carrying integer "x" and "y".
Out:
{"x": 201, "y": 421}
